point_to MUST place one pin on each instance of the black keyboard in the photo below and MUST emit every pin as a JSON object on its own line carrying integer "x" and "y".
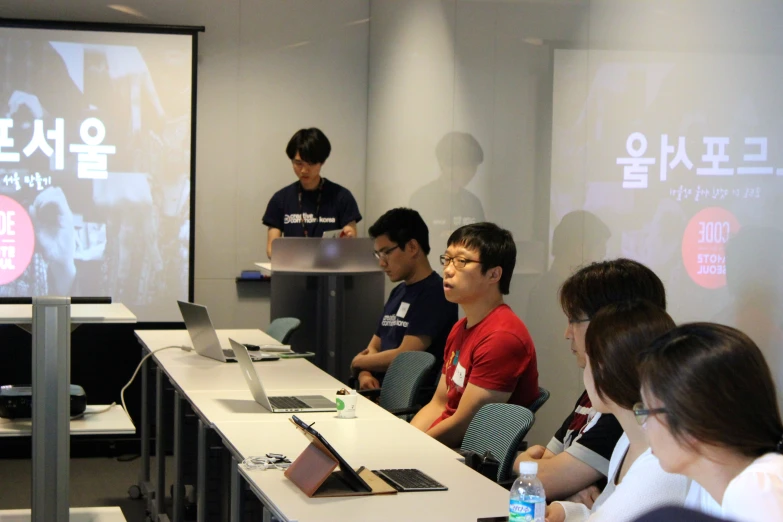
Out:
{"x": 410, "y": 480}
{"x": 288, "y": 403}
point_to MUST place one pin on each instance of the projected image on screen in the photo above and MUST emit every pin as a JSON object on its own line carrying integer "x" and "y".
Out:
{"x": 681, "y": 155}
{"x": 95, "y": 166}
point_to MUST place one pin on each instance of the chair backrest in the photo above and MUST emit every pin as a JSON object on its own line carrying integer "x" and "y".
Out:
{"x": 543, "y": 396}
{"x": 406, "y": 375}
{"x": 282, "y": 328}
{"x": 499, "y": 428}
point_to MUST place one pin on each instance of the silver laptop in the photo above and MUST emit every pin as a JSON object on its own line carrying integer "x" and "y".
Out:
{"x": 276, "y": 404}
{"x": 205, "y": 339}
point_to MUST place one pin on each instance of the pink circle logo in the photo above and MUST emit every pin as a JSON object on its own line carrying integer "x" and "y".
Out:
{"x": 704, "y": 246}
{"x": 17, "y": 240}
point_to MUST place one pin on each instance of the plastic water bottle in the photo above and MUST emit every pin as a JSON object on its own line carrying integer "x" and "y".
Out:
{"x": 528, "y": 500}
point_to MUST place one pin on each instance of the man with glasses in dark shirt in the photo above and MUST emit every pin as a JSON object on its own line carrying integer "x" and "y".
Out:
{"x": 489, "y": 355}
{"x": 416, "y": 317}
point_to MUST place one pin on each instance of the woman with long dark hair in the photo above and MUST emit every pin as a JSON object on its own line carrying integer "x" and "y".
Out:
{"x": 636, "y": 483}
{"x": 710, "y": 412}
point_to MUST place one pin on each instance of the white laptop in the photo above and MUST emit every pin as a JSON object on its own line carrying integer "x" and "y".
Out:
{"x": 276, "y": 404}
{"x": 205, "y": 339}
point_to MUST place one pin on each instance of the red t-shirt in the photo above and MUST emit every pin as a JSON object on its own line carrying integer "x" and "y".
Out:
{"x": 495, "y": 354}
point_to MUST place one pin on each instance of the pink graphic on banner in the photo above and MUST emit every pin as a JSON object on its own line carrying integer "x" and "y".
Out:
{"x": 704, "y": 246}
{"x": 17, "y": 240}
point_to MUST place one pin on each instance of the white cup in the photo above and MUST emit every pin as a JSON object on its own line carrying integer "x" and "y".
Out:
{"x": 346, "y": 405}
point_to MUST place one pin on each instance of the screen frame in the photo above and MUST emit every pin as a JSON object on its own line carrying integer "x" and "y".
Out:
{"x": 191, "y": 30}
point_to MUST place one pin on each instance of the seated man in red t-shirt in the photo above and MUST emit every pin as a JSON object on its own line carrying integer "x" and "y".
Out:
{"x": 489, "y": 355}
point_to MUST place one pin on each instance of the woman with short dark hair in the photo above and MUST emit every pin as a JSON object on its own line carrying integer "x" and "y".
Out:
{"x": 636, "y": 483}
{"x": 711, "y": 414}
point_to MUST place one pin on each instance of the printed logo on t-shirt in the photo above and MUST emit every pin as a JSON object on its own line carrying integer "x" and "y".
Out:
{"x": 392, "y": 320}
{"x": 289, "y": 219}
{"x": 403, "y": 310}
{"x": 459, "y": 376}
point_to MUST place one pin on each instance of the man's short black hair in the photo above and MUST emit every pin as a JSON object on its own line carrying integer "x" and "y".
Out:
{"x": 312, "y": 145}
{"x": 495, "y": 246}
{"x": 401, "y": 225}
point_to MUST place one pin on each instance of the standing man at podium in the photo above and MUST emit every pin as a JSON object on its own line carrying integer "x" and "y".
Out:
{"x": 312, "y": 205}
{"x": 417, "y": 316}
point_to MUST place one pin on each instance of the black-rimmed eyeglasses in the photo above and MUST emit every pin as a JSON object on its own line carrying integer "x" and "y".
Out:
{"x": 642, "y": 413}
{"x": 384, "y": 253}
{"x": 458, "y": 262}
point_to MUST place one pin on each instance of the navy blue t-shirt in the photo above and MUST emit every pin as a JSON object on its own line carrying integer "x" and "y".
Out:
{"x": 338, "y": 208}
{"x": 418, "y": 309}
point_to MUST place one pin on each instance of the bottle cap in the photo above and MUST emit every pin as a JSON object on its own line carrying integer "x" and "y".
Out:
{"x": 528, "y": 468}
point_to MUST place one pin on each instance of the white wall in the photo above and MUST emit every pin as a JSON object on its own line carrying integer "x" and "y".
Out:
{"x": 487, "y": 68}
{"x": 442, "y": 66}
{"x": 266, "y": 69}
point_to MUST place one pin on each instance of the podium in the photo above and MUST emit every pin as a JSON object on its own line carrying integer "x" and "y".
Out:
{"x": 336, "y": 288}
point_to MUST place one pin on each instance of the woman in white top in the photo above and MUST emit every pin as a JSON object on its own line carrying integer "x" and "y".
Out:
{"x": 711, "y": 413}
{"x": 636, "y": 483}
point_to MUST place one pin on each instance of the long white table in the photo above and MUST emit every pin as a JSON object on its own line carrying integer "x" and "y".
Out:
{"x": 114, "y": 421}
{"x": 80, "y": 514}
{"x": 80, "y": 313}
{"x": 375, "y": 444}
{"x": 376, "y": 439}
{"x": 186, "y": 370}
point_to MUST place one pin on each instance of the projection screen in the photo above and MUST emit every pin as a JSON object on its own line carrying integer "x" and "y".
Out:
{"x": 96, "y": 163}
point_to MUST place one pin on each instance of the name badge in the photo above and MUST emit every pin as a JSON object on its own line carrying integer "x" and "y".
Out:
{"x": 459, "y": 376}
{"x": 403, "y": 310}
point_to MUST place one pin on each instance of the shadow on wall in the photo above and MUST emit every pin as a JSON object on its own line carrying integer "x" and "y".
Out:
{"x": 580, "y": 238}
{"x": 754, "y": 276}
{"x": 445, "y": 204}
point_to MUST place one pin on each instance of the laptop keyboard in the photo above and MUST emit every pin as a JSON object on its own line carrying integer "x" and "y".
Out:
{"x": 410, "y": 480}
{"x": 288, "y": 403}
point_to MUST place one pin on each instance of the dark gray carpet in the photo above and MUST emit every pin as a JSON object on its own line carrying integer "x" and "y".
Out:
{"x": 94, "y": 482}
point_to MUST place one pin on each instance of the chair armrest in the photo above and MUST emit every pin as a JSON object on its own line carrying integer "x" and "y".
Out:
{"x": 371, "y": 393}
{"x": 405, "y": 411}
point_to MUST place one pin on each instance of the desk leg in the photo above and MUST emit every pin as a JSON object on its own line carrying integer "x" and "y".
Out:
{"x": 179, "y": 487}
{"x": 160, "y": 449}
{"x": 201, "y": 474}
{"x": 235, "y": 506}
{"x": 331, "y": 326}
{"x": 144, "y": 476}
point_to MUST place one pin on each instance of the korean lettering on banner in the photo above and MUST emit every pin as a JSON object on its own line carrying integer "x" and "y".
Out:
{"x": 6, "y": 141}
{"x": 635, "y": 172}
{"x": 680, "y": 157}
{"x": 715, "y": 158}
{"x": 92, "y": 156}
{"x": 38, "y": 181}
{"x": 39, "y": 142}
